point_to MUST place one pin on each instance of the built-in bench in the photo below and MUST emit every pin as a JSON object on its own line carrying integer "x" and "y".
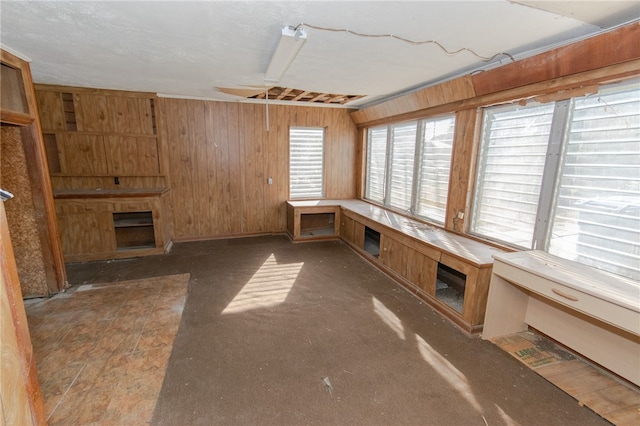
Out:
{"x": 448, "y": 271}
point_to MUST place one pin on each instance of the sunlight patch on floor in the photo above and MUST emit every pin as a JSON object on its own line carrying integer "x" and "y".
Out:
{"x": 448, "y": 372}
{"x": 268, "y": 287}
{"x": 388, "y": 318}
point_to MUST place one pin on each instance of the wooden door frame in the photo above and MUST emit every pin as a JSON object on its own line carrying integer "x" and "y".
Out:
{"x": 35, "y": 152}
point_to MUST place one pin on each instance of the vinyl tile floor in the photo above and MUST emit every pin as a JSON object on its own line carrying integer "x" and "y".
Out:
{"x": 102, "y": 349}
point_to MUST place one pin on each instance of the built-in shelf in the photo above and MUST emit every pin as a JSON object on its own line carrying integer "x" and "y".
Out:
{"x": 317, "y": 224}
{"x": 310, "y": 222}
{"x": 134, "y": 230}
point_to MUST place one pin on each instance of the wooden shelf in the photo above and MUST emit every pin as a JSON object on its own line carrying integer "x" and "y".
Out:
{"x": 109, "y": 193}
{"x": 131, "y": 224}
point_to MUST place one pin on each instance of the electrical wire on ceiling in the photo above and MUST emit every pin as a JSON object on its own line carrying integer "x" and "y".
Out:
{"x": 406, "y": 40}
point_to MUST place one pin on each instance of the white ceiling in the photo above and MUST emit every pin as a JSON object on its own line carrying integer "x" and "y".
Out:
{"x": 187, "y": 49}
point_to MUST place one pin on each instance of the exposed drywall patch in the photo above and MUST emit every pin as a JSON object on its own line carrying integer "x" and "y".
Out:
{"x": 21, "y": 215}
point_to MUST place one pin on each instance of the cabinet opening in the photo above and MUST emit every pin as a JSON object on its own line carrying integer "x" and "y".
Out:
{"x": 371, "y": 241}
{"x": 134, "y": 230}
{"x": 69, "y": 111}
{"x": 317, "y": 224}
{"x": 450, "y": 285}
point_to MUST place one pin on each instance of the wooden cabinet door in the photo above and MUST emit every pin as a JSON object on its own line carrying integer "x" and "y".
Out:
{"x": 346, "y": 228}
{"x": 418, "y": 269}
{"x": 393, "y": 254}
{"x": 91, "y": 112}
{"x": 130, "y": 115}
{"x": 50, "y": 107}
{"x": 358, "y": 234}
{"x": 352, "y": 231}
{"x": 81, "y": 154}
{"x": 87, "y": 233}
{"x": 132, "y": 156}
{"x": 422, "y": 271}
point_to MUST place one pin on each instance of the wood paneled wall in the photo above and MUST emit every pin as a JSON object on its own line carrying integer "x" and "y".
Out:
{"x": 221, "y": 157}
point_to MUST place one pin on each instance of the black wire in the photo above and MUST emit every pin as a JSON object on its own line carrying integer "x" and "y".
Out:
{"x": 406, "y": 40}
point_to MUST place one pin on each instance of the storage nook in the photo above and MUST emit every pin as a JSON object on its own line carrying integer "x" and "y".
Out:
{"x": 446, "y": 270}
{"x": 308, "y": 220}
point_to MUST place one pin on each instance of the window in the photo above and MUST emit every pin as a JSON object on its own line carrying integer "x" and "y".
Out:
{"x": 306, "y": 162}
{"x": 564, "y": 178}
{"x": 433, "y": 183}
{"x": 376, "y": 165}
{"x": 403, "y": 151}
{"x": 408, "y": 166}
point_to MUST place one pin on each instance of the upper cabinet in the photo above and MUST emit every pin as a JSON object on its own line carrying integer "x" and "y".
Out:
{"x": 91, "y": 132}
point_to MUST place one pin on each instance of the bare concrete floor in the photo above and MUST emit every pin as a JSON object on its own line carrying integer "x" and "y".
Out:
{"x": 290, "y": 334}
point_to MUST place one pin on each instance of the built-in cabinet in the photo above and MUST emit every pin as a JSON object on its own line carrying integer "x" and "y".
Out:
{"x": 112, "y": 224}
{"x": 312, "y": 222}
{"x": 106, "y": 163}
{"x": 97, "y": 133}
{"x": 448, "y": 271}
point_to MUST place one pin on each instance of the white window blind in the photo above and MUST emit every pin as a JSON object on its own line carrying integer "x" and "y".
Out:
{"x": 565, "y": 178}
{"x": 435, "y": 165}
{"x": 306, "y": 162}
{"x": 597, "y": 209}
{"x": 408, "y": 166}
{"x": 376, "y": 164}
{"x": 403, "y": 151}
{"x": 510, "y": 170}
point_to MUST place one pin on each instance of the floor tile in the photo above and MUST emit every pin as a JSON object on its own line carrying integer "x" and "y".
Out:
{"x": 102, "y": 350}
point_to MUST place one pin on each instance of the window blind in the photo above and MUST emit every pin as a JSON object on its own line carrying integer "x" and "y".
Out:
{"x": 306, "y": 162}
{"x": 376, "y": 164}
{"x": 403, "y": 147}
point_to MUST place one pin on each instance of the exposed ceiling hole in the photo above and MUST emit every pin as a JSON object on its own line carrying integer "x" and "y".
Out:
{"x": 298, "y": 95}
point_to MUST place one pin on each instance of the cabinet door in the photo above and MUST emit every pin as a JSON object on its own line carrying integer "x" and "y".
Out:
{"x": 393, "y": 254}
{"x": 358, "y": 234}
{"x": 81, "y": 154}
{"x": 131, "y": 115}
{"x": 91, "y": 112}
{"x": 346, "y": 228}
{"x": 51, "y": 110}
{"x": 132, "y": 156}
{"x": 418, "y": 269}
{"x": 422, "y": 271}
{"x": 87, "y": 233}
